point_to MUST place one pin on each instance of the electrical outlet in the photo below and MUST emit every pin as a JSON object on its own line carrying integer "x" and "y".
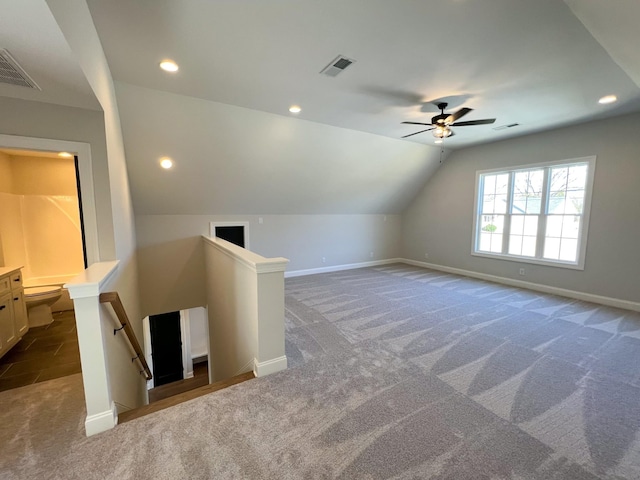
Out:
{"x": 260, "y": 220}
{"x": 324, "y": 260}
{"x": 522, "y": 271}
{"x": 371, "y": 254}
{"x": 426, "y": 255}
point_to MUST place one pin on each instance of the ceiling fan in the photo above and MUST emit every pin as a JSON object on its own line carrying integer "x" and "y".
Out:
{"x": 440, "y": 123}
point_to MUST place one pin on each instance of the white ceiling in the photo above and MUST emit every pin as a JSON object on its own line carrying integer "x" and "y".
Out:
{"x": 532, "y": 62}
{"x": 30, "y": 33}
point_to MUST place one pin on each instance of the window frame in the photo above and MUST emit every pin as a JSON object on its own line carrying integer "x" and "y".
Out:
{"x": 541, "y": 234}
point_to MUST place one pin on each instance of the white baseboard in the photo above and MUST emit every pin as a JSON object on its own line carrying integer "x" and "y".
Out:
{"x": 338, "y": 268}
{"x": 588, "y": 297}
{"x": 101, "y": 422}
{"x": 261, "y": 369}
{"x": 563, "y": 292}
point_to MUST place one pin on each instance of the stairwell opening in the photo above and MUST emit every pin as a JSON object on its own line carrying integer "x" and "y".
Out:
{"x": 176, "y": 348}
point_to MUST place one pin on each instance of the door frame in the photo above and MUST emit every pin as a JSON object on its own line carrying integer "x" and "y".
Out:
{"x": 185, "y": 332}
{"x": 213, "y": 225}
{"x": 85, "y": 172}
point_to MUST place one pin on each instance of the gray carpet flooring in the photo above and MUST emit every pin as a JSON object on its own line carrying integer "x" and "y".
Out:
{"x": 395, "y": 372}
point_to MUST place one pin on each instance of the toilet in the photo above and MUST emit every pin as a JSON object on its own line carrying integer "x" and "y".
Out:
{"x": 39, "y": 301}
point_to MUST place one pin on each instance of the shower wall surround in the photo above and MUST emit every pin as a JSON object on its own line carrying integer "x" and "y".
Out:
{"x": 39, "y": 216}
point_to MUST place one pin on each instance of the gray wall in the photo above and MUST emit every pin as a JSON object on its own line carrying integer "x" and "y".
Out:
{"x": 171, "y": 258}
{"x": 440, "y": 219}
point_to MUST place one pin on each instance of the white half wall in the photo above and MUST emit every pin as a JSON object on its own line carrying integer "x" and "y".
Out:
{"x": 440, "y": 220}
{"x": 245, "y": 299}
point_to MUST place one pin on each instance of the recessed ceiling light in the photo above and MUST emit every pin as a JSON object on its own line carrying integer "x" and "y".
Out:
{"x": 608, "y": 99}
{"x": 65, "y": 155}
{"x": 295, "y": 109}
{"x": 169, "y": 66}
{"x": 439, "y": 140}
{"x": 166, "y": 163}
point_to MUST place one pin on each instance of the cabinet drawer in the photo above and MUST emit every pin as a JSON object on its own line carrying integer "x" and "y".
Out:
{"x": 5, "y": 284}
{"x": 16, "y": 280}
{"x": 7, "y": 325}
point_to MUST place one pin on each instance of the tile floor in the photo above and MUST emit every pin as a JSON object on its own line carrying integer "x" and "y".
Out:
{"x": 44, "y": 353}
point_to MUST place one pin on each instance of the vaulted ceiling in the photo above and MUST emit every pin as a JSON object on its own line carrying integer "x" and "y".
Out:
{"x": 538, "y": 63}
{"x": 224, "y": 115}
{"x": 530, "y": 62}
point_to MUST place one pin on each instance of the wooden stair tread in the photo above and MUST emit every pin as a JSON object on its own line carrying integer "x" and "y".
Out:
{"x": 183, "y": 397}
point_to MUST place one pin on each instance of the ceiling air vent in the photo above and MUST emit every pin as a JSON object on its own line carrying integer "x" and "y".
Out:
{"x": 336, "y": 66}
{"x": 504, "y": 127}
{"x": 12, "y": 74}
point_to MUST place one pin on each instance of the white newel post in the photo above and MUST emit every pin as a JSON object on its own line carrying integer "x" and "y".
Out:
{"x": 270, "y": 357}
{"x": 85, "y": 291}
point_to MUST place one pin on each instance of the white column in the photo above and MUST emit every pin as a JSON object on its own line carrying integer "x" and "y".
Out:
{"x": 270, "y": 355}
{"x": 85, "y": 290}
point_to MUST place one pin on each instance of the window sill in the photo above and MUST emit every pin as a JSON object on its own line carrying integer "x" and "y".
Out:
{"x": 535, "y": 261}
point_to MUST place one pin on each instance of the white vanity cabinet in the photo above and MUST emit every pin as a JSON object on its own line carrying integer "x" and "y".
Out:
{"x": 13, "y": 311}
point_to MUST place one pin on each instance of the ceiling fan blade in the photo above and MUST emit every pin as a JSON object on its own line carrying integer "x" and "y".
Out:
{"x": 421, "y": 131}
{"x": 455, "y": 116}
{"x": 416, "y": 123}
{"x": 485, "y": 121}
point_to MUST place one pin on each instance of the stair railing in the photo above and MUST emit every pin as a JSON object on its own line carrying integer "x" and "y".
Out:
{"x": 118, "y": 308}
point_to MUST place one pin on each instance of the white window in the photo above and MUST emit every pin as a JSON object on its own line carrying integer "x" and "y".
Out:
{"x": 535, "y": 214}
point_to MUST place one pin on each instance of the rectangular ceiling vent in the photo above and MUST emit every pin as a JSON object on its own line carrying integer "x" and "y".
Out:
{"x": 12, "y": 73}
{"x": 504, "y": 127}
{"x": 337, "y": 65}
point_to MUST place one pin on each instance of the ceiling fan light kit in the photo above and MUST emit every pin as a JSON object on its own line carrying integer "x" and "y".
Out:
{"x": 442, "y": 132}
{"x": 440, "y": 123}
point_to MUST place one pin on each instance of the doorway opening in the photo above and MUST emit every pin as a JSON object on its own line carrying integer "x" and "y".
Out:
{"x": 166, "y": 348}
{"x": 234, "y": 232}
{"x": 42, "y": 231}
{"x": 176, "y": 346}
{"x": 84, "y": 181}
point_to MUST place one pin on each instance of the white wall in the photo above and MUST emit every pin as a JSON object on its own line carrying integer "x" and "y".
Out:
{"x": 171, "y": 259}
{"x": 76, "y": 24}
{"x": 233, "y": 160}
{"x": 198, "y": 332}
{"x": 440, "y": 220}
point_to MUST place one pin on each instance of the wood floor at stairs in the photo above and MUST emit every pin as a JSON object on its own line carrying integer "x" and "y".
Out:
{"x": 200, "y": 379}
{"x": 183, "y": 397}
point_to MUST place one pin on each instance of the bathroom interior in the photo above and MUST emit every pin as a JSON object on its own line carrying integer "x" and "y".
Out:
{"x": 41, "y": 231}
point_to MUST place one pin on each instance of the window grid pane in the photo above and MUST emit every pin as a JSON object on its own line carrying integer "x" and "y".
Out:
{"x": 491, "y": 231}
{"x": 565, "y": 190}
